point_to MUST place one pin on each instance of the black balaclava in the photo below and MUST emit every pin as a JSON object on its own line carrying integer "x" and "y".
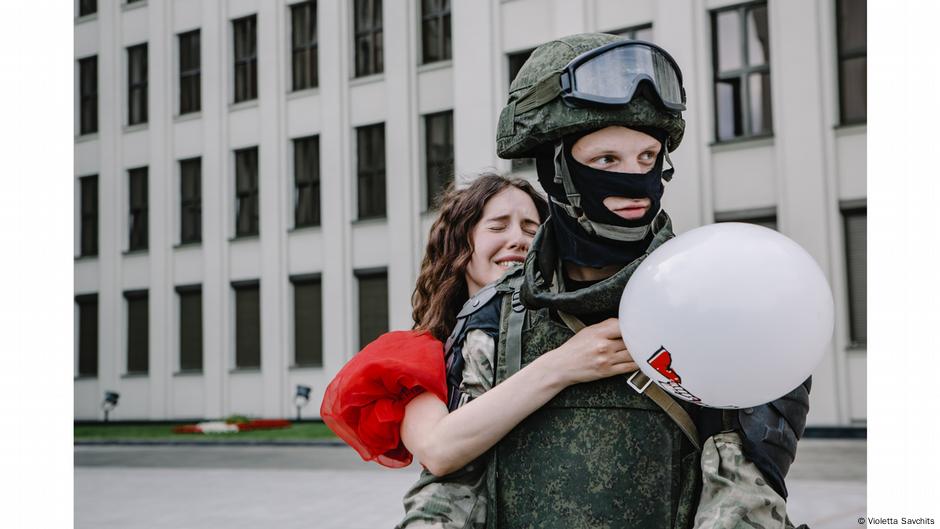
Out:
{"x": 587, "y": 233}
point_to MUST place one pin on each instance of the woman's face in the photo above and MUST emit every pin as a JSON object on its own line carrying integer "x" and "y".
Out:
{"x": 620, "y": 150}
{"x": 501, "y": 237}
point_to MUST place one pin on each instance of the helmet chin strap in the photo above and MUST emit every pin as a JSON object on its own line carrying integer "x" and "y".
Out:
{"x": 573, "y": 208}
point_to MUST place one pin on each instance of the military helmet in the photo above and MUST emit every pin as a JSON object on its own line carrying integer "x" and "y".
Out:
{"x": 524, "y": 128}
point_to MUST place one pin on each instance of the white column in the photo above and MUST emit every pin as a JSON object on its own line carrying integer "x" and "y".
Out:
{"x": 476, "y": 105}
{"x": 215, "y": 296}
{"x": 335, "y": 163}
{"x": 272, "y": 195}
{"x": 677, "y": 29}
{"x": 402, "y": 169}
{"x": 110, "y": 214}
{"x": 851, "y": 388}
{"x": 160, "y": 182}
{"x": 800, "y": 124}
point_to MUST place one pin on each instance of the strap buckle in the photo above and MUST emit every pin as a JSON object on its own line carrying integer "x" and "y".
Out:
{"x": 517, "y": 305}
{"x": 633, "y": 384}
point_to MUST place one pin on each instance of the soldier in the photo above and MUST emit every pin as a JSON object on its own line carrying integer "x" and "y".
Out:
{"x": 600, "y": 116}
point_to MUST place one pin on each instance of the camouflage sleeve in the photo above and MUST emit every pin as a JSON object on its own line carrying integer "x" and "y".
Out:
{"x": 735, "y": 494}
{"x": 458, "y": 500}
{"x": 478, "y": 371}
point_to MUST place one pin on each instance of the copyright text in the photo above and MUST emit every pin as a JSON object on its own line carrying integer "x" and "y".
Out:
{"x": 896, "y": 521}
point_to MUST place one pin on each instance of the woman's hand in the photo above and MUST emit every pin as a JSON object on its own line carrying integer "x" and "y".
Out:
{"x": 595, "y": 352}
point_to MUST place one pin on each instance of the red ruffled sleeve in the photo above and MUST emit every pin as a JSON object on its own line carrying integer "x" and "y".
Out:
{"x": 365, "y": 403}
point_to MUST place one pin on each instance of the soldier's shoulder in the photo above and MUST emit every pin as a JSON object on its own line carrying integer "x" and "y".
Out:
{"x": 478, "y": 300}
{"x": 504, "y": 283}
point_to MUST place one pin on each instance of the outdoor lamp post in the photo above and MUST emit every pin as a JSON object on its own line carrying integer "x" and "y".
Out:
{"x": 109, "y": 403}
{"x": 301, "y": 398}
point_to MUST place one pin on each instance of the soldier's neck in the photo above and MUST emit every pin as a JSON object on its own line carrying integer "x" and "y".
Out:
{"x": 586, "y": 273}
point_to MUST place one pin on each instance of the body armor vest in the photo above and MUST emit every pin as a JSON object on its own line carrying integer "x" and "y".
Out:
{"x": 598, "y": 454}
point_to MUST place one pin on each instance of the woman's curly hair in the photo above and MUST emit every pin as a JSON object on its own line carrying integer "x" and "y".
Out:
{"x": 441, "y": 288}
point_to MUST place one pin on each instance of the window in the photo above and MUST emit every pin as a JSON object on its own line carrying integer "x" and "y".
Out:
{"x": 741, "y": 59}
{"x": 246, "y": 58}
{"x": 138, "y": 334}
{"x": 87, "y": 7}
{"x": 137, "y": 84}
{"x": 87, "y": 335}
{"x": 307, "y": 182}
{"x": 852, "y": 16}
{"x": 439, "y": 153}
{"x": 370, "y": 167}
{"x": 247, "y": 325}
{"x": 643, "y": 32}
{"x": 855, "y": 219}
{"x": 308, "y": 321}
{"x": 766, "y": 217}
{"x": 246, "y": 192}
{"x": 88, "y": 94}
{"x": 138, "y": 209}
{"x": 515, "y": 61}
{"x": 368, "y": 35}
{"x": 89, "y": 215}
{"x": 373, "y": 305}
{"x": 304, "y": 45}
{"x": 190, "y": 303}
{"x": 190, "y": 200}
{"x": 435, "y": 30}
{"x": 190, "y": 62}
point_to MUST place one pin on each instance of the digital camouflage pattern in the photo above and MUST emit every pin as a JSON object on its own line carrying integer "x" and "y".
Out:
{"x": 517, "y": 136}
{"x": 478, "y": 372}
{"x": 457, "y": 501}
{"x": 599, "y": 454}
{"x": 735, "y": 494}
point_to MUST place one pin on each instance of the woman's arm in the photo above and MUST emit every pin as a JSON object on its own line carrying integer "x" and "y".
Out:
{"x": 444, "y": 442}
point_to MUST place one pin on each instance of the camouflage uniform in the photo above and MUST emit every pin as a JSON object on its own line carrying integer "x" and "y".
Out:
{"x": 598, "y": 454}
{"x": 735, "y": 495}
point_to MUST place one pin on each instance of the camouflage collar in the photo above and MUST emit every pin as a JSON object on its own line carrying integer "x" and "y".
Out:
{"x": 541, "y": 267}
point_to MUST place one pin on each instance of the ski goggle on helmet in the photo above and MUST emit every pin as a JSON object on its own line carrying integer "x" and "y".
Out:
{"x": 610, "y": 76}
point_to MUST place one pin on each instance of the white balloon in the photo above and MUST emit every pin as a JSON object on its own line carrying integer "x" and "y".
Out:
{"x": 728, "y": 315}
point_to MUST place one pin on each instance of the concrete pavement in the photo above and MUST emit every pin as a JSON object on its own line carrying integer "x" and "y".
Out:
{"x": 330, "y": 487}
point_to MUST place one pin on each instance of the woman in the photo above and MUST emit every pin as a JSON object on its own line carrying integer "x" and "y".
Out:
{"x": 389, "y": 401}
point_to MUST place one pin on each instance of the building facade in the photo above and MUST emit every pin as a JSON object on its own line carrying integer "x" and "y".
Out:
{"x": 254, "y": 179}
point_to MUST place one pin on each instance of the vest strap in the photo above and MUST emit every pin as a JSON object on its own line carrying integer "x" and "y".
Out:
{"x": 515, "y": 322}
{"x": 669, "y": 405}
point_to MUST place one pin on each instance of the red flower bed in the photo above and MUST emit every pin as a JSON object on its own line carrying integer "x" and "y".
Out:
{"x": 220, "y": 426}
